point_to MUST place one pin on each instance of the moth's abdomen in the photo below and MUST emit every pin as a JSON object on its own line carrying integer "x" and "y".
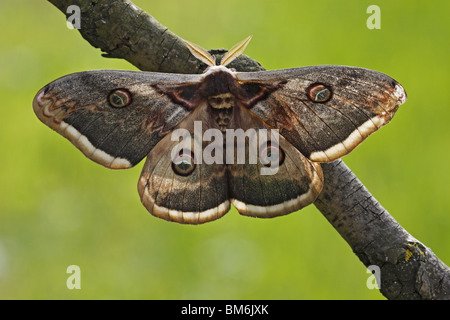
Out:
{"x": 221, "y": 108}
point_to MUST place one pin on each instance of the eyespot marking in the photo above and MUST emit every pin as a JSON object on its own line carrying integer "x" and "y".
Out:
{"x": 318, "y": 92}
{"x": 271, "y": 152}
{"x": 184, "y": 163}
{"x": 119, "y": 98}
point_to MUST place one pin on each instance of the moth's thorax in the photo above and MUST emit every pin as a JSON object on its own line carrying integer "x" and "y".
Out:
{"x": 220, "y": 80}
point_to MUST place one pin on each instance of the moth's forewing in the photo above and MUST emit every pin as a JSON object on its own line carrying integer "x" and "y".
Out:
{"x": 114, "y": 117}
{"x": 355, "y": 103}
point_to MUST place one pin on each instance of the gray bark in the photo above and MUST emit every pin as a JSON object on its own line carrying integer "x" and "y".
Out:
{"x": 409, "y": 270}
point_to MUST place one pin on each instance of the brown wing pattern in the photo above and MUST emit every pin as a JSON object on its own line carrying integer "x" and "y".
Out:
{"x": 322, "y": 113}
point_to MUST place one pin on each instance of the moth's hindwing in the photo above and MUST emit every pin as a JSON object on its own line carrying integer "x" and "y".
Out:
{"x": 326, "y": 111}
{"x": 270, "y": 189}
{"x": 176, "y": 184}
{"x": 114, "y": 117}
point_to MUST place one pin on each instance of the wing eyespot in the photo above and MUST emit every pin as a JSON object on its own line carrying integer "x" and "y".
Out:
{"x": 318, "y": 92}
{"x": 271, "y": 152}
{"x": 184, "y": 163}
{"x": 119, "y": 98}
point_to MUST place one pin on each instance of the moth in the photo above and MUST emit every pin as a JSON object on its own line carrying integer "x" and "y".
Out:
{"x": 321, "y": 113}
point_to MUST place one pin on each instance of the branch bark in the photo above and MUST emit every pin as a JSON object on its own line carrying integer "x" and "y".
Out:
{"x": 409, "y": 270}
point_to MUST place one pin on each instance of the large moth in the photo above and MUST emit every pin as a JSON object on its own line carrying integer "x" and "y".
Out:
{"x": 321, "y": 113}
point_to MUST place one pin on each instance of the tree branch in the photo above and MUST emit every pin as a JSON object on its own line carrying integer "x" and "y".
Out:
{"x": 409, "y": 270}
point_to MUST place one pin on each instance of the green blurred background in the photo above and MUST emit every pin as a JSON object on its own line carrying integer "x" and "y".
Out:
{"x": 57, "y": 208}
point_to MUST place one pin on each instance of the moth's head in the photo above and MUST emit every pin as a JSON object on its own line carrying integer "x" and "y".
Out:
{"x": 204, "y": 56}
